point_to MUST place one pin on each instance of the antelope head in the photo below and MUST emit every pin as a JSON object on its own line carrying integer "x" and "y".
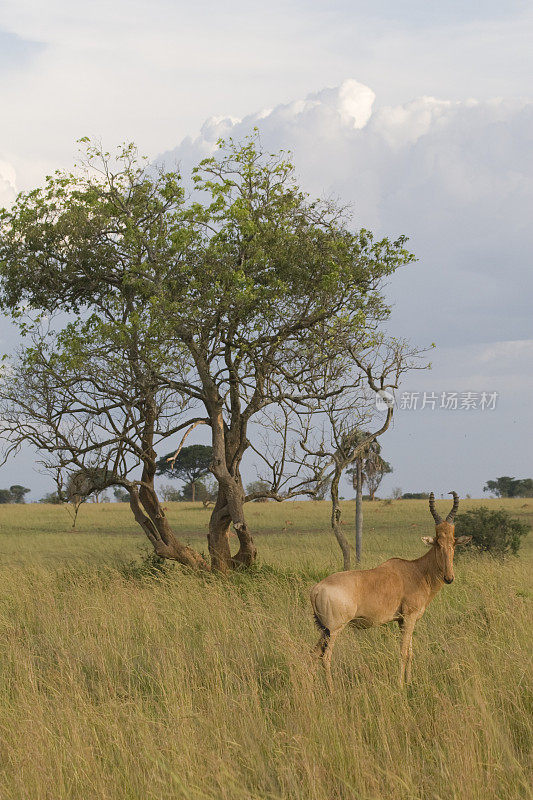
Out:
{"x": 444, "y": 540}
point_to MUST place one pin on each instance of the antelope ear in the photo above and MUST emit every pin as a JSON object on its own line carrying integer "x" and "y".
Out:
{"x": 462, "y": 540}
{"x": 429, "y": 540}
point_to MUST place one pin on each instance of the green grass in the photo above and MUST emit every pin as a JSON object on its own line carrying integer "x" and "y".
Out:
{"x": 115, "y": 685}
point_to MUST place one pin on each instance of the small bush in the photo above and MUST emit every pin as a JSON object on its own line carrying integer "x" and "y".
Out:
{"x": 150, "y": 565}
{"x": 494, "y": 532}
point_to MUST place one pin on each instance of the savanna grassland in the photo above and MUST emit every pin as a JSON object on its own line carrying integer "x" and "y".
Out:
{"x": 116, "y": 683}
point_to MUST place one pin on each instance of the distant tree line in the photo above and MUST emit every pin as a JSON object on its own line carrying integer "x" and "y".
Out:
{"x": 506, "y": 486}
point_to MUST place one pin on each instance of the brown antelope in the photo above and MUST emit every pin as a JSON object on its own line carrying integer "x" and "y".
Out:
{"x": 396, "y": 591}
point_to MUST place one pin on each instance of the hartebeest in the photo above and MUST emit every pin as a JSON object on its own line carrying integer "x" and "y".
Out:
{"x": 396, "y": 591}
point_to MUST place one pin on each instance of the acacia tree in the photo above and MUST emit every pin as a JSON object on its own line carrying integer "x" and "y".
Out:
{"x": 15, "y": 494}
{"x": 18, "y": 493}
{"x": 210, "y": 310}
{"x": 188, "y": 464}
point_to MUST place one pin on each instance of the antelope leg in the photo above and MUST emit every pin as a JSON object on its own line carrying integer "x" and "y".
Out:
{"x": 406, "y": 653}
{"x": 326, "y": 657}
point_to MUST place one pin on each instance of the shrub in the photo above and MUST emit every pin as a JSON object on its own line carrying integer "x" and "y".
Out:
{"x": 494, "y": 532}
{"x": 149, "y": 565}
{"x": 51, "y": 497}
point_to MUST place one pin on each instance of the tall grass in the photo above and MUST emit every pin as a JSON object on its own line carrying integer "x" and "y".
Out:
{"x": 115, "y": 684}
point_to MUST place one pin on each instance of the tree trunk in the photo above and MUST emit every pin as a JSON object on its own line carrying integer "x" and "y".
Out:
{"x": 193, "y": 488}
{"x": 148, "y": 511}
{"x": 247, "y": 552}
{"x": 229, "y": 506}
{"x": 218, "y": 536}
{"x": 336, "y": 523}
{"x": 75, "y": 508}
{"x": 151, "y": 517}
{"x": 358, "y": 509}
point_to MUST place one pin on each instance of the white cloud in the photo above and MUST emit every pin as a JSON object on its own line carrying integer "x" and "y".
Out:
{"x": 404, "y": 125}
{"x": 457, "y": 177}
{"x": 152, "y": 71}
{"x": 518, "y": 353}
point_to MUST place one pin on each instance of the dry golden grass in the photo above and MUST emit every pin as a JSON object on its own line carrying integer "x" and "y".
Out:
{"x": 118, "y": 685}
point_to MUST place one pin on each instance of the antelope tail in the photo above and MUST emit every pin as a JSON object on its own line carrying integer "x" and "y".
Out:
{"x": 320, "y": 625}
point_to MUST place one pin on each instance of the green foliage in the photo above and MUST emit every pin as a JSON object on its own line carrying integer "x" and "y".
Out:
{"x": 18, "y": 492}
{"x": 415, "y": 495}
{"x": 495, "y": 532}
{"x": 256, "y": 252}
{"x": 121, "y": 495}
{"x": 526, "y": 487}
{"x": 234, "y": 299}
{"x": 204, "y": 491}
{"x": 373, "y": 467}
{"x": 506, "y": 486}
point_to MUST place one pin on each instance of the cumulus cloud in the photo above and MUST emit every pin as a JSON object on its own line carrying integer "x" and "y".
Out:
{"x": 151, "y": 70}
{"x": 456, "y": 177}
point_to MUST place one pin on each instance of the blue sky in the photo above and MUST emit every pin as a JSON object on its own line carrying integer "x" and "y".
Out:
{"x": 16, "y": 53}
{"x": 426, "y": 129}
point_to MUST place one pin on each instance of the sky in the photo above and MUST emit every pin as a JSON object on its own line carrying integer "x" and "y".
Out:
{"x": 419, "y": 115}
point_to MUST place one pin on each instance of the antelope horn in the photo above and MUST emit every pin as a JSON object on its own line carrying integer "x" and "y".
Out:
{"x": 453, "y": 512}
{"x": 432, "y": 509}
